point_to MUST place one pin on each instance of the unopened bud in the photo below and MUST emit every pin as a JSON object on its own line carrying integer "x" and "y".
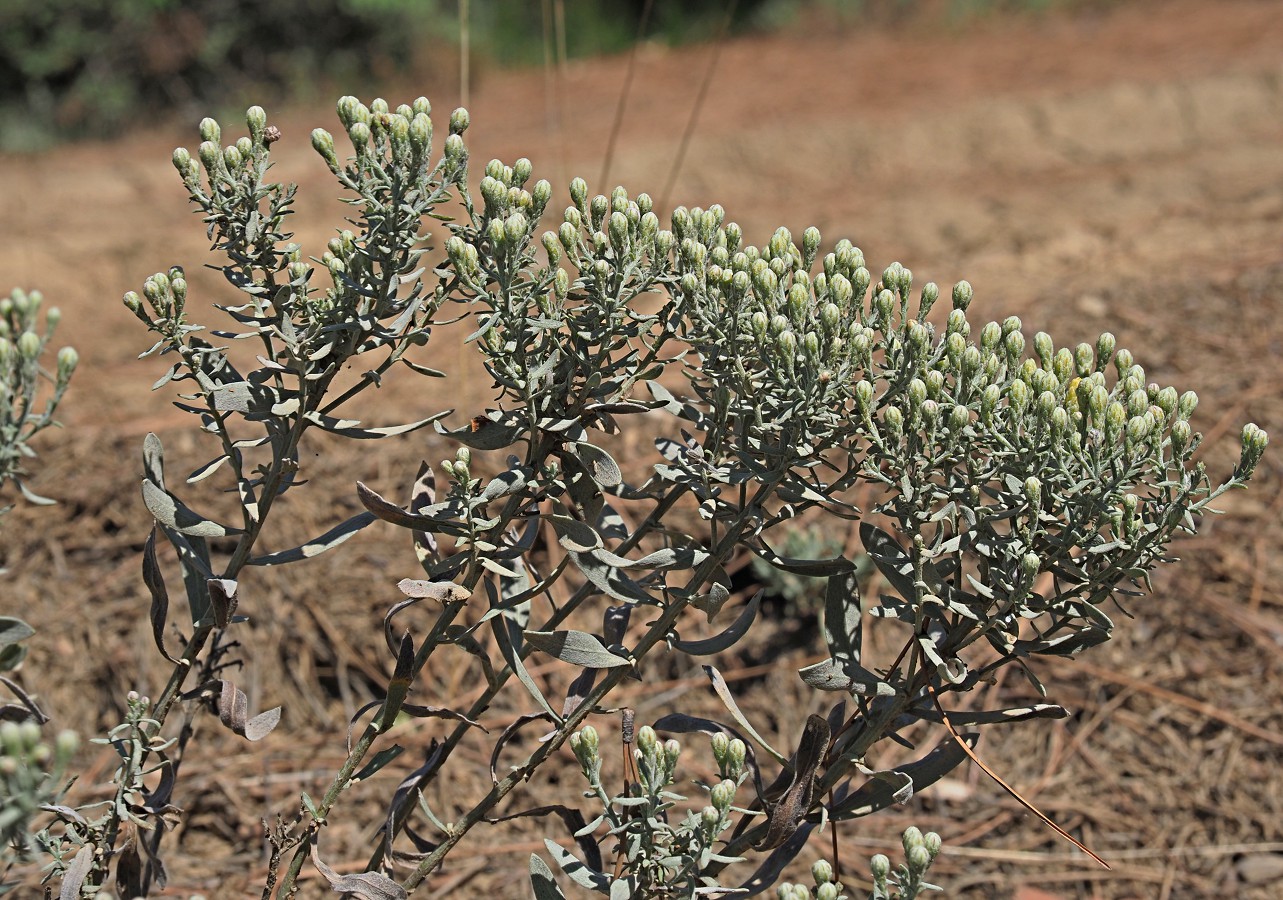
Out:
{"x": 1254, "y": 441}
{"x": 515, "y": 228}
{"x": 880, "y": 866}
{"x": 459, "y": 121}
{"x": 495, "y": 232}
{"x": 1137, "y": 430}
{"x": 1186, "y": 405}
{"x": 884, "y": 303}
{"x": 29, "y": 345}
{"x": 421, "y": 133}
{"x": 722, "y": 795}
{"x": 359, "y": 135}
{"x": 962, "y": 295}
{"x": 618, "y": 231}
{"x": 232, "y": 158}
{"x": 209, "y": 131}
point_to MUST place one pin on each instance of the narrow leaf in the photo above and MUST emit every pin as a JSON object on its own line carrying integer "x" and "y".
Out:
{"x": 579, "y": 648}
{"x": 541, "y": 880}
{"x": 727, "y": 638}
{"x": 368, "y": 885}
{"x": 169, "y": 510}
{"x": 724, "y": 693}
{"x": 315, "y": 547}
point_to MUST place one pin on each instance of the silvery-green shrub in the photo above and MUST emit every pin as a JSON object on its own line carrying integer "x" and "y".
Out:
{"x": 1021, "y": 491}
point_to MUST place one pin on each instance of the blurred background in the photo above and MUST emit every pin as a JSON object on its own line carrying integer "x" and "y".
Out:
{"x": 1088, "y": 165}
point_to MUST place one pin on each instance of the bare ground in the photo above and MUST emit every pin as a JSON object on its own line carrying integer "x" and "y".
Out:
{"x": 1118, "y": 170}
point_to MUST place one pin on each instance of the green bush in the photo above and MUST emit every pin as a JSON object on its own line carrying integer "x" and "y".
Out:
{"x": 1020, "y": 491}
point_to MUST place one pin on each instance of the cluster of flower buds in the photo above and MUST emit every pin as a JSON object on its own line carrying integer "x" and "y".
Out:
{"x": 729, "y": 754}
{"x": 21, "y": 344}
{"x": 21, "y": 373}
{"x": 223, "y": 164}
{"x": 166, "y": 299}
{"x": 919, "y": 852}
{"x": 826, "y": 885}
{"x": 585, "y": 744}
{"x": 715, "y": 817}
{"x": 605, "y": 236}
{"x": 31, "y": 775}
{"x": 656, "y": 762}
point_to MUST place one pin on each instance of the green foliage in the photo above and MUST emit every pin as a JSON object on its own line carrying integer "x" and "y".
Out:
{"x": 72, "y": 68}
{"x": 32, "y": 775}
{"x": 1017, "y": 495}
{"x": 23, "y": 380}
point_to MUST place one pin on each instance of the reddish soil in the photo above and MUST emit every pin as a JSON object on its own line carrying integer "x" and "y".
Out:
{"x": 1114, "y": 170}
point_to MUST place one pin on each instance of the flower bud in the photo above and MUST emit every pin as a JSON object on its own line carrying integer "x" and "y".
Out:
{"x": 811, "y": 346}
{"x": 880, "y": 866}
{"x": 495, "y": 232}
{"x": 359, "y": 135}
{"x": 916, "y": 393}
{"x": 721, "y": 745}
{"x": 597, "y": 210}
{"x": 735, "y": 758}
{"x": 893, "y": 419}
{"x": 521, "y": 171}
{"x": 1014, "y": 345}
{"x": 541, "y": 195}
{"x": 989, "y": 402}
{"x": 722, "y": 795}
{"x": 962, "y": 295}
{"x": 1123, "y": 362}
{"x": 232, "y": 158}
{"x": 618, "y": 230}
{"x": 378, "y": 107}
{"x": 209, "y": 131}
{"x": 1182, "y": 435}
{"x": 708, "y": 819}
{"x": 552, "y": 247}
{"x": 568, "y": 235}
{"x": 826, "y": 891}
{"x": 1138, "y": 428}
{"x": 810, "y": 245}
{"x": 1044, "y": 349}
{"x": 918, "y": 859}
{"x": 884, "y": 303}
{"x": 930, "y": 294}
{"x": 579, "y": 193}
{"x": 672, "y": 751}
{"x": 1084, "y": 360}
{"x": 132, "y": 301}
{"x": 864, "y": 397}
{"x": 459, "y": 121}
{"x": 1186, "y": 405}
{"x": 1046, "y": 405}
{"x": 515, "y": 229}
{"x": 1062, "y": 365}
{"x": 1018, "y": 396}
{"x": 421, "y": 134}
{"x": 29, "y": 344}
{"x": 561, "y": 284}
{"x": 1254, "y": 441}
{"x": 182, "y": 160}
{"x": 211, "y": 156}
